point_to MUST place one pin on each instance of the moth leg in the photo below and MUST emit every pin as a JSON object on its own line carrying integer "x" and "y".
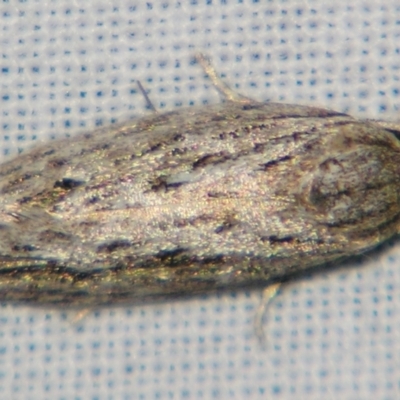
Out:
{"x": 149, "y": 104}
{"x": 268, "y": 294}
{"x": 226, "y": 92}
{"x": 80, "y": 315}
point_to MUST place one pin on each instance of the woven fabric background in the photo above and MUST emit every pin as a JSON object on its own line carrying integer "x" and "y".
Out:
{"x": 68, "y": 66}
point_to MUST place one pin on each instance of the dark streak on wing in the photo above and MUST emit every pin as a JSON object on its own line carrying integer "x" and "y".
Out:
{"x": 275, "y": 162}
{"x": 113, "y": 245}
{"x": 68, "y": 183}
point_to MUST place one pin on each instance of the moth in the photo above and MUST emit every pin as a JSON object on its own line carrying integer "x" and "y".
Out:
{"x": 232, "y": 195}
